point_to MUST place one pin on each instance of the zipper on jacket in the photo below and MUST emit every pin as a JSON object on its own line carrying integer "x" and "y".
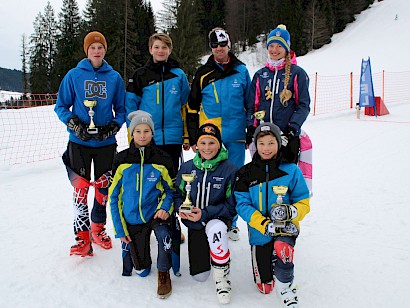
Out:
{"x": 203, "y": 204}
{"x": 260, "y": 197}
{"x": 273, "y": 95}
{"x": 163, "y": 105}
{"x": 198, "y": 189}
{"x": 267, "y": 189}
{"x": 140, "y": 181}
{"x": 215, "y": 93}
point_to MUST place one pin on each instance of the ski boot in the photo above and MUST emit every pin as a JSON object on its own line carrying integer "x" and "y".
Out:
{"x": 223, "y": 285}
{"x": 83, "y": 247}
{"x": 99, "y": 236}
{"x": 287, "y": 294}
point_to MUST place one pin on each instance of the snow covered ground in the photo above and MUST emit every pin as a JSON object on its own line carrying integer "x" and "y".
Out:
{"x": 352, "y": 250}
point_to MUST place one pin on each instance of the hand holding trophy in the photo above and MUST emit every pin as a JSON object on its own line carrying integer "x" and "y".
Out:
{"x": 186, "y": 206}
{"x": 91, "y": 128}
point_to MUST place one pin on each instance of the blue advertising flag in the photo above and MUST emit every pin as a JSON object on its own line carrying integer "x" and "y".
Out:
{"x": 366, "y": 98}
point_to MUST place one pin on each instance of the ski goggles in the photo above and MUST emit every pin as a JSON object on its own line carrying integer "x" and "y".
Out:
{"x": 216, "y": 44}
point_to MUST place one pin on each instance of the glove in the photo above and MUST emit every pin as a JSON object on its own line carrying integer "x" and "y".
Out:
{"x": 283, "y": 212}
{"x": 284, "y": 139}
{"x": 79, "y": 128}
{"x": 270, "y": 229}
{"x": 107, "y": 130}
{"x": 289, "y": 132}
{"x": 249, "y": 134}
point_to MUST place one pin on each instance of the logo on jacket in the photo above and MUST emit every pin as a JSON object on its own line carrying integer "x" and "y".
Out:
{"x": 268, "y": 93}
{"x": 152, "y": 177}
{"x": 173, "y": 90}
{"x": 235, "y": 83}
{"x": 95, "y": 89}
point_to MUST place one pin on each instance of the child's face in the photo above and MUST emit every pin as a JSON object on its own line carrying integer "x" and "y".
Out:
{"x": 267, "y": 147}
{"x": 276, "y": 51}
{"x": 142, "y": 135}
{"x": 208, "y": 148}
{"x": 159, "y": 51}
{"x": 96, "y": 54}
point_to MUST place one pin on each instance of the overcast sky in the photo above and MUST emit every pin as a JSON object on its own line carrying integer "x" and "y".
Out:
{"x": 16, "y": 19}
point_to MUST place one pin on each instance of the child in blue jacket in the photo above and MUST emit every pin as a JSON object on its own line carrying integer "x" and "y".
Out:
{"x": 272, "y": 197}
{"x": 140, "y": 197}
{"x": 213, "y": 211}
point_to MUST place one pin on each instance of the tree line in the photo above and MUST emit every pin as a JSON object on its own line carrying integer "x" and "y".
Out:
{"x": 56, "y": 44}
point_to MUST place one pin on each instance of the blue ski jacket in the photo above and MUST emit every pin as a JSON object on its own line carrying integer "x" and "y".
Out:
{"x": 142, "y": 184}
{"x": 254, "y": 194}
{"x": 220, "y": 94}
{"x": 162, "y": 90}
{"x": 212, "y": 189}
{"x": 82, "y": 83}
{"x": 267, "y": 84}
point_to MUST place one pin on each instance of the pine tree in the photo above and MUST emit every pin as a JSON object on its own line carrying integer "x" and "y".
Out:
{"x": 186, "y": 38}
{"x": 42, "y": 52}
{"x": 69, "y": 42}
{"x": 24, "y": 61}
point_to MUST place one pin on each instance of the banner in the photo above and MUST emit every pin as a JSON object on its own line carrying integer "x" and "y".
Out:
{"x": 366, "y": 97}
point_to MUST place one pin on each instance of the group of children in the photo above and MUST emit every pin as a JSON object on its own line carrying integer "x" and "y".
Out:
{"x": 145, "y": 191}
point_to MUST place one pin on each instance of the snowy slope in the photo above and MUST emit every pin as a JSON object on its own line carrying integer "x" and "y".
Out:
{"x": 352, "y": 251}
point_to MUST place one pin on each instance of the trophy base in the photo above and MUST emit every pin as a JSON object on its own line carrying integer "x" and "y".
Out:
{"x": 185, "y": 208}
{"x": 92, "y": 131}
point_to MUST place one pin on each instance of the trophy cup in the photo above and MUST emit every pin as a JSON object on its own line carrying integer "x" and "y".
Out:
{"x": 279, "y": 191}
{"x": 186, "y": 206}
{"x": 91, "y": 128}
{"x": 260, "y": 115}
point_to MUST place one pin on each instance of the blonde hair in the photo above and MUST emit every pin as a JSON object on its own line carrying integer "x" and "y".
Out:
{"x": 286, "y": 94}
{"x": 161, "y": 37}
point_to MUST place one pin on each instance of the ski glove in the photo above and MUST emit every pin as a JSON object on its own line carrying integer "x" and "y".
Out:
{"x": 284, "y": 139}
{"x": 79, "y": 128}
{"x": 289, "y": 132}
{"x": 283, "y": 212}
{"x": 107, "y": 130}
{"x": 270, "y": 229}
{"x": 249, "y": 134}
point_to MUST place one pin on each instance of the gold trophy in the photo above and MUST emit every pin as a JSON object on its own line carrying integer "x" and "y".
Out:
{"x": 280, "y": 191}
{"x": 91, "y": 128}
{"x": 186, "y": 206}
{"x": 260, "y": 115}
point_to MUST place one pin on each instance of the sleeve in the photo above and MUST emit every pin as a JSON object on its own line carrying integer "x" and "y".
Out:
{"x": 184, "y": 105}
{"x": 302, "y": 100}
{"x": 132, "y": 97}
{"x": 194, "y": 105}
{"x": 299, "y": 196}
{"x": 116, "y": 204}
{"x": 119, "y": 103}
{"x": 65, "y": 99}
{"x": 179, "y": 194}
{"x": 168, "y": 182}
{"x": 253, "y": 100}
{"x": 244, "y": 206}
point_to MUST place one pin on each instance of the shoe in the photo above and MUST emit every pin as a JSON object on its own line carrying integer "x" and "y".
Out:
{"x": 182, "y": 238}
{"x": 99, "y": 236}
{"x": 164, "y": 285}
{"x": 287, "y": 294}
{"x": 233, "y": 233}
{"x": 223, "y": 285}
{"x": 266, "y": 288}
{"x": 83, "y": 246}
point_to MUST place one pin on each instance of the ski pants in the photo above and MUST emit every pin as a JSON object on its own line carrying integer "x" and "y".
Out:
{"x": 139, "y": 251}
{"x": 80, "y": 158}
{"x": 273, "y": 258}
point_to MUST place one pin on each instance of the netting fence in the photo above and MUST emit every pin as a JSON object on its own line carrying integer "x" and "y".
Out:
{"x": 30, "y": 130}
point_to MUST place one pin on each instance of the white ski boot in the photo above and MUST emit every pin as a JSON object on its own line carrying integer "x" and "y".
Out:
{"x": 287, "y": 293}
{"x": 223, "y": 285}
